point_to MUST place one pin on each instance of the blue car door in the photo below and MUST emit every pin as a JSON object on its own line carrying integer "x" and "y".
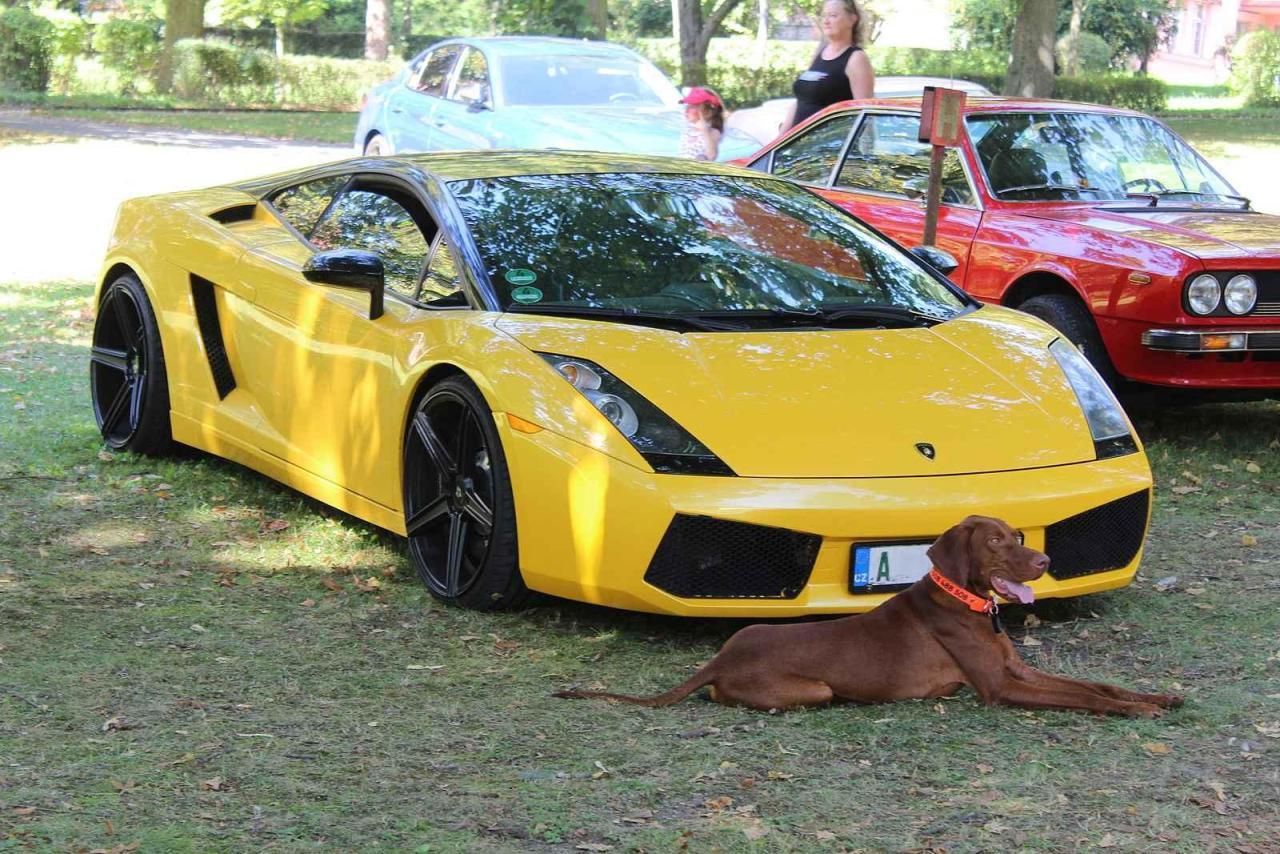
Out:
{"x": 411, "y": 109}
{"x": 464, "y": 117}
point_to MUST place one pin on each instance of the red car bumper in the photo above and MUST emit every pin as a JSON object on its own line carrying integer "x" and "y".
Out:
{"x": 1169, "y": 356}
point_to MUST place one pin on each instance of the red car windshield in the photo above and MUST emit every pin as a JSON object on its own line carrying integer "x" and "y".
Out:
{"x": 1090, "y": 157}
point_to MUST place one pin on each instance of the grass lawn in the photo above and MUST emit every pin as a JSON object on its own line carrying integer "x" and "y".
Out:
{"x": 277, "y": 124}
{"x": 193, "y": 658}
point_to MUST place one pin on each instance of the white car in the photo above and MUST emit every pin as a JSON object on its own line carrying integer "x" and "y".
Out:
{"x": 762, "y": 122}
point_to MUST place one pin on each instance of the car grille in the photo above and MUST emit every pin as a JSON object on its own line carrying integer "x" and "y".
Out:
{"x": 1106, "y": 537}
{"x": 1268, "y": 304}
{"x": 704, "y": 558}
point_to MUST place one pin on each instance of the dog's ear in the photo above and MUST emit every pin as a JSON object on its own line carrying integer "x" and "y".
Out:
{"x": 950, "y": 552}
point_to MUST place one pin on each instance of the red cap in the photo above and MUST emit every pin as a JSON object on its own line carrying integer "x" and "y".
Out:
{"x": 698, "y": 95}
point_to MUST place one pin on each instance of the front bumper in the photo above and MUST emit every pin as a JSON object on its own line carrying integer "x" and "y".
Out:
{"x": 1213, "y": 340}
{"x": 590, "y": 527}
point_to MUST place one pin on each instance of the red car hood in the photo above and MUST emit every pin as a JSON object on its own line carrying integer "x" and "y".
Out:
{"x": 1206, "y": 234}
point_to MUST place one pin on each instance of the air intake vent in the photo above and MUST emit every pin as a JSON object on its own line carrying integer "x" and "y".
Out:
{"x": 206, "y": 303}
{"x": 1106, "y": 537}
{"x": 235, "y": 213}
{"x": 704, "y": 558}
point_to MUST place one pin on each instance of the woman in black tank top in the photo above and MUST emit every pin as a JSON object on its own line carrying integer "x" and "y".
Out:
{"x": 840, "y": 70}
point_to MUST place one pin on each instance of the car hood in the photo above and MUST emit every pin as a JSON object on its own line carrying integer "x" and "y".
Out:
{"x": 1207, "y": 234}
{"x": 630, "y": 130}
{"x": 982, "y": 389}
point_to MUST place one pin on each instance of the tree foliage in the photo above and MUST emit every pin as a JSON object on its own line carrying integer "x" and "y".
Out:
{"x": 1135, "y": 29}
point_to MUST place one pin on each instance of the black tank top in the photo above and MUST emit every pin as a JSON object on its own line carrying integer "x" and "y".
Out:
{"x": 824, "y": 84}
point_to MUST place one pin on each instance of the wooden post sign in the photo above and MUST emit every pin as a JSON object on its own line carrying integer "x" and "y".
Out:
{"x": 940, "y": 112}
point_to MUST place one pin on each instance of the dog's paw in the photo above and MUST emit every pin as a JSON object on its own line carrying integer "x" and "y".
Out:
{"x": 1143, "y": 710}
{"x": 1171, "y": 701}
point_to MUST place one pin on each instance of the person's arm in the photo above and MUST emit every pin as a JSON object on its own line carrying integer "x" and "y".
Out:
{"x": 790, "y": 118}
{"x": 711, "y": 142}
{"x": 862, "y": 78}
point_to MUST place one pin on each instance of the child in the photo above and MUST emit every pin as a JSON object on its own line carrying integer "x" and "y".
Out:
{"x": 705, "y": 117}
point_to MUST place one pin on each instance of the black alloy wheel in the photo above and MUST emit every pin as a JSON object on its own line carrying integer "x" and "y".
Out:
{"x": 1069, "y": 316}
{"x": 459, "y": 512}
{"x": 127, "y": 376}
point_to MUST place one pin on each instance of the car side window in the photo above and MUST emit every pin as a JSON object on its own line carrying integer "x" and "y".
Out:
{"x": 376, "y": 222}
{"x": 472, "y": 83}
{"x": 302, "y": 205}
{"x": 442, "y": 285}
{"x": 811, "y": 156}
{"x": 435, "y": 70}
{"x": 887, "y": 157}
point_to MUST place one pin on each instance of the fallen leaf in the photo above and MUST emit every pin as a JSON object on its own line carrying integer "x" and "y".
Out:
{"x": 1252, "y": 468}
{"x": 825, "y": 835}
{"x": 23, "y": 810}
{"x": 1156, "y": 748}
{"x": 995, "y": 826}
{"x": 307, "y": 603}
{"x": 781, "y": 775}
{"x": 716, "y": 804}
{"x": 1270, "y": 730}
{"x": 1218, "y": 789}
{"x": 1028, "y": 640}
{"x": 214, "y": 784}
{"x": 118, "y": 723}
{"x": 424, "y": 667}
{"x": 197, "y": 628}
{"x": 1031, "y": 621}
{"x": 1248, "y": 540}
{"x": 275, "y": 525}
{"x": 331, "y": 584}
{"x": 1192, "y": 477}
{"x": 1166, "y": 583}
{"x": 593, "y": 846}
{"x": 1185, "y": 490}
{"x": 1107, "y": 841}
{"x": 127, "y": 786}
{"x": 984, "y": 768}
{"x": 755, "y": 831}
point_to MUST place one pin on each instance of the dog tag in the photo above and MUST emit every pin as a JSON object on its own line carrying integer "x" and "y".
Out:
{"x": 996, "y": 625}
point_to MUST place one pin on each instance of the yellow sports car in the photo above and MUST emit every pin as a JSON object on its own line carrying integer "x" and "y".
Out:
{"x": 668, "y": 386}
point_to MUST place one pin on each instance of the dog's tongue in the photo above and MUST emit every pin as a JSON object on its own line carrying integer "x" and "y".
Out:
{"x": 1014, "y": 590}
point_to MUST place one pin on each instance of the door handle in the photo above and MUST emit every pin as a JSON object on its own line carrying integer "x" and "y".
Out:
{"x": 397, "y": 110}
{"x": 438, "y": 123}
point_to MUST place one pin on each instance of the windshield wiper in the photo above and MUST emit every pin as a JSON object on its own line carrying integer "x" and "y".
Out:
{"x": 660, "y": 319}
{"x": 883, "y": 313}
{"x": 1028, "y": 187}
{"x": 1156, "y": 195}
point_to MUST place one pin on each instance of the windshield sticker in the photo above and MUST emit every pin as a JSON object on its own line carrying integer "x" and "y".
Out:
{"x": 521, "y": 277}
{"x": 526, "y": 294}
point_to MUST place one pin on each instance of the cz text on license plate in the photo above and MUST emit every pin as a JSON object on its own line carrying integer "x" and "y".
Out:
{"x": 888, "y": 566}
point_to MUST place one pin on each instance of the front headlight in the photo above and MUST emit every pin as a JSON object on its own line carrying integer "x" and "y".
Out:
{"x": 663, "y": 443}
{"x": 1203, "y": 294}
{"x": 1107, "y": 423}
{"x": 1240, "y": 294}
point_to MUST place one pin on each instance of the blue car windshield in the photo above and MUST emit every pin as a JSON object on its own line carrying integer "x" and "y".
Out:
{"x": 684, "y": 244}
{"x": 580, "y": 81}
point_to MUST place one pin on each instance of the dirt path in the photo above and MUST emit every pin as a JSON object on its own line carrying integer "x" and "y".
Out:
{"x": 62, "y": 194}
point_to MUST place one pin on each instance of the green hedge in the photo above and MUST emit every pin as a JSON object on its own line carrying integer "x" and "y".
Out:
{"x": 217, "y": 73}
{"x": 26, "y": 50}
{"x": 1145, "y": 94}
{"x": 1255, "y": 68}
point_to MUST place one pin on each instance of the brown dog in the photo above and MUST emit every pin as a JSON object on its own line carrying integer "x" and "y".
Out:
{"x": 928, "y": 641}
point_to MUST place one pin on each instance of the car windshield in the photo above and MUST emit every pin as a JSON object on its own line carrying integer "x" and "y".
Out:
{"x": 1090, "y": 157}
{"x": 560, "y": 81}
{"x": 684, "y": 245}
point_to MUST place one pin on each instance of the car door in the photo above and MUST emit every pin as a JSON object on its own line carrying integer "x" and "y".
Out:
{"x": 465, "y": 116}
{"x": 411, "y": 109}
{"x": 327, "y": 379}
{"x": 883, "y": 177}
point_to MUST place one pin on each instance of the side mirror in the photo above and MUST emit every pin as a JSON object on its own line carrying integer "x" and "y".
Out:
{"x": 349, "y": 268}
{"x": 939, "y": 259}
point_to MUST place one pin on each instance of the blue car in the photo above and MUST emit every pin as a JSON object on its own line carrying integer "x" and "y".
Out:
{"x": 538, "y": 93}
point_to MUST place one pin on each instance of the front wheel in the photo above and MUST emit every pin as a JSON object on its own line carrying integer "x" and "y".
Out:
{"x": 127, "y": 379}
{"x": 1069, "y": 316}
{"x": 459, "y": 511}
{"x": 378, "y": 146}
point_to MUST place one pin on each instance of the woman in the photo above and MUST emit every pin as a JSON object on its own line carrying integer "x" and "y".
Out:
{"x": 840, "y": 69}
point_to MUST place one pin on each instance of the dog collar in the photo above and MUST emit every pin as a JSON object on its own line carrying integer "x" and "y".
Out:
{"x": 974, "y": 603}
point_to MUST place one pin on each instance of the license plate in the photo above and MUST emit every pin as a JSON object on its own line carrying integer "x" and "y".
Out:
{"x": 887, "y": 566}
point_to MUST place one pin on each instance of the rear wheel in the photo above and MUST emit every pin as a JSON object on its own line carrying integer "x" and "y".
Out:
{"x": 459, "y": 512}
{"x": 378, "y": 146}
{"x": 127, "y": 379}
{"x": 1069, "y": 316}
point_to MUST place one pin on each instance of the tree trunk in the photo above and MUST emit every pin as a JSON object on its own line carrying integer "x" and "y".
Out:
{"x": 695, "y": 38}
{"x": 598, "y": 12}
{"x": 693, "y": 57}
{"x": 406, "y": 25}
{"x": 1031, "y": 64}
{"x": 377, "y": 21}
{"x": 1078, "y": 8}
{"x": 183, "y": 19}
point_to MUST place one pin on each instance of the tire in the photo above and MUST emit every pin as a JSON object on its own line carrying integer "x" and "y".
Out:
{"x": 459, "y": 512}
{"x": 127, "y": 379}
{"x": 378, "y": 146}
{"x": 1069, "y": 316}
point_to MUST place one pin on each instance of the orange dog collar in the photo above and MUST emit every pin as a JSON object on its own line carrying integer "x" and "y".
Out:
{"x": 975, "y": 603}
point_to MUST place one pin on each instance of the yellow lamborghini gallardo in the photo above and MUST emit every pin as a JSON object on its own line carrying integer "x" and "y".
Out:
{"x": 652, "y": 384}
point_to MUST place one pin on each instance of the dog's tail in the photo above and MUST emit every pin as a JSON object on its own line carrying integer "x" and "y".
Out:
{"x": 705, "y": 676}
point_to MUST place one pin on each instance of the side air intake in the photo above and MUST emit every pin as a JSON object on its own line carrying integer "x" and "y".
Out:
{"x": 206, "y": 303}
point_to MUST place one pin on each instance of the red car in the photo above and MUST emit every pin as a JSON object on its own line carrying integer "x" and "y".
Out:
{"x": 1101, "y": 221}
